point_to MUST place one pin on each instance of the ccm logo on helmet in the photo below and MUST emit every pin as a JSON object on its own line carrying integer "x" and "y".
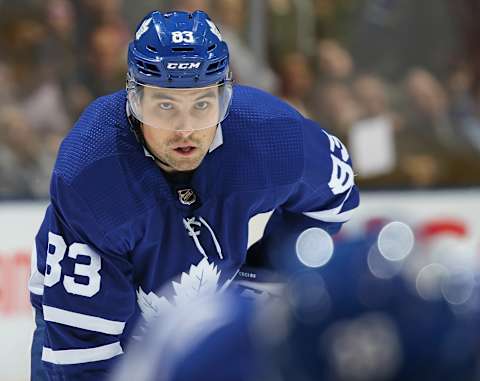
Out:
{"x": 183, "y": 65}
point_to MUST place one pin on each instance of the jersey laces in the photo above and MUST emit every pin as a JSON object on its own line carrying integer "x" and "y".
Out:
{"x": 190, "y": 223}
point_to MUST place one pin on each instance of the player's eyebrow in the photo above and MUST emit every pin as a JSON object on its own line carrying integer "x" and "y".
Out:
{"x": 209, "y": 94}
{"x": 160, "y": 95}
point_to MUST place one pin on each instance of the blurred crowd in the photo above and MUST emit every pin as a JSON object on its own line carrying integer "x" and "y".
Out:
{"x": 397, "y": 81}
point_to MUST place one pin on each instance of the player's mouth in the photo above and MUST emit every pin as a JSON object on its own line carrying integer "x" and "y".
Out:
{"x": 185, "y": 150}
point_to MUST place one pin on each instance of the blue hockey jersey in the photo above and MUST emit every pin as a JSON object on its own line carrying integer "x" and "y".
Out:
{"x": 117, "y": 230}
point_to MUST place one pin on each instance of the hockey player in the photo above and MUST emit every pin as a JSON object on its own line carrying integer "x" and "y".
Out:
{"x": 161, "y": 180}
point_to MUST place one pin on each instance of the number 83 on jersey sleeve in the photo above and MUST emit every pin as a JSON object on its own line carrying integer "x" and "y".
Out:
{"x": 57, "y": 248}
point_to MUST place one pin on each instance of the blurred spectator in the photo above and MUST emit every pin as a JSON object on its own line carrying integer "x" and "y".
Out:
{"x": 106, "y": 67}
{"x": 22, "y": 37}
{"x": 282, "y": 28}
{"x": 334, "y": 102}
{"x": 247, "y": 68}
{"x": 7, "y": 90}
{"x": 464, "y": 81}
{"x": 429, "y": 107}
{"x": 390, "y": 37}
{"x": 296, "y": 92}
{"x": 109, "y": 12}
{"x": 45, "y": 111}
{"x": 372, "y": 95}
{"x": 101, "y": 28}
{"x": 61, "y": 58}
{"x": 372, "y": 139}
{"x": 334, "y": 61}
{"x": 428, "y": 131}
{"x": 334, "y": 18}
{"x": 38, "y": 94}
{"x": 433, "y": 150}
{"x": 465, "y": 105}
{"x": 191, "y": 5}
{"x": 24, "y": 164}
{"x": 93, "y": 13}
{"x": 465, "y": 14}
{"x": 337, "y": 108}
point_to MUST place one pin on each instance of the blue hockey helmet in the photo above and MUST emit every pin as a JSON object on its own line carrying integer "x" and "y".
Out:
{"x": 178, "y": 51}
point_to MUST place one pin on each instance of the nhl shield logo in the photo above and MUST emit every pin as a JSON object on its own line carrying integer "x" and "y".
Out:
{"x": 187, "y": 196}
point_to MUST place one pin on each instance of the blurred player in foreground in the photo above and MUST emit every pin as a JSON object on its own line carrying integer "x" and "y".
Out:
{"x": 340, "y": 322}
{"x": 160, "y": 181}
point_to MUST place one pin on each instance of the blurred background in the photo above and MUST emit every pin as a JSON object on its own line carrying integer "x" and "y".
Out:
{"x": 397, "y": 80}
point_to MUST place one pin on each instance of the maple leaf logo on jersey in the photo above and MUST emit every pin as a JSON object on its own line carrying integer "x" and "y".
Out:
{"x": 200, "y": 281}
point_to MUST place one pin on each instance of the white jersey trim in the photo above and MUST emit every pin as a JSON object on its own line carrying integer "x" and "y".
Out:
{"x": 333, "y": 215}
{"x": 35, "y": 283}
{"x": 217, "y": 140}
{"x": 88, "y": 322}
{"x": 80, "y": 356}
{"x": 330, "y": 215}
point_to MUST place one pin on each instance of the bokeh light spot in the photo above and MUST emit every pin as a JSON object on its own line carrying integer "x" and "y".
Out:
{"x": 458, "y": 287}
{"x": 314, "y": 247}
{"x": 395, "y": 241}
{"x": 380, "y": 267}
{"x": 429, "y": 281}
{"x": 309, "y": 297}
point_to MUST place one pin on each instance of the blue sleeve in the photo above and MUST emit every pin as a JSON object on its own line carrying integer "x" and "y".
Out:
{"x": 81, "y": 281}
{"x": 325, "y": 197}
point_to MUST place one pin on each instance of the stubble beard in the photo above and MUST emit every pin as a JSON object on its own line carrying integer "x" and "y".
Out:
{"x": 181, "y": 164}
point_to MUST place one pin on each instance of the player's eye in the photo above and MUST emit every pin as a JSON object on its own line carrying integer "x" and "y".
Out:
{"x": 165, "y": 106}
{"x": 202, "y": 105}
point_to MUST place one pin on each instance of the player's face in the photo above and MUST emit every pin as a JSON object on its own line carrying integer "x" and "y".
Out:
{"x": 182, "y": 150}
{"x": 182, "y": 145}
{"x": 181, "y": 109}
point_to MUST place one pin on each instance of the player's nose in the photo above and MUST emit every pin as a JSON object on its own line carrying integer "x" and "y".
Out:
{"x": 184, "y": 125}
{"x": 183, "y": 133}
